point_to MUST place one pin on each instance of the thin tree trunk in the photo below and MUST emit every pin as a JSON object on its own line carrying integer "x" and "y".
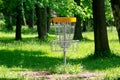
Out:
{"x": 88, "y": 22}
{"x": 116, "y": 13}
{"x": 100, "y": 29}
{"x": 41, "y": 22}
{"x": 18, "y": 23}
{"x": 23, "y": 15}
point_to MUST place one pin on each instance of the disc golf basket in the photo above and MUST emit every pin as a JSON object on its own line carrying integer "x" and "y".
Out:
{"x": 64, "y": 30}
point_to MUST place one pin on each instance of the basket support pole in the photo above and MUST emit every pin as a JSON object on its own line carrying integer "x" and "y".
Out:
{"x": 64, "y": 49}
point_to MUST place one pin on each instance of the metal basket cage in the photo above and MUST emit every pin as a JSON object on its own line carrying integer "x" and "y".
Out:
{"x": 70, "y": 45}
{"x": 64, "y": 30}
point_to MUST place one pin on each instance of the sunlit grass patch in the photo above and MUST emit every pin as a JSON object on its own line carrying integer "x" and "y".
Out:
{"x": 68, "y": 68}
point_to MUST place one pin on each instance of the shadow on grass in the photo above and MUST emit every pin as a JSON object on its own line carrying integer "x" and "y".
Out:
{"x": 114, "y": 40}
{"x": 28, "y": 39}
{"x": 12, "y": 41}
{"x": 9, "y": 79}
{"x": 38, "y": 61}
{"x": 27, "y": 59}
{"x": 87, "y": 39}
{"x": 92, "y": 63}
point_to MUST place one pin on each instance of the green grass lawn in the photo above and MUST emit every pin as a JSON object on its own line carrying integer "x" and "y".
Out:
{"x": 31, "y": 54}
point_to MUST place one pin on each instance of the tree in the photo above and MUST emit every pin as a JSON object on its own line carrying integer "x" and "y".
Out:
{"x": 87, "y": 18}
{"x": 116, "y": 13}
{"x": 48, "y": 18}
{"x": 108, "y": 13}
{"x": 18, "y": 20}
{"x": 41, "y": 21}
{"x": 100, "y": 30}
{"x": 63, "y": 8}
{"x": 78, "y": 30}
{"x": 28, "y": 7}
{"x": 7, "y": 12}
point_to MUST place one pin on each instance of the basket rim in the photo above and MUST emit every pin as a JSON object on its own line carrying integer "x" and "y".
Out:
{"x": 64, "y": 19}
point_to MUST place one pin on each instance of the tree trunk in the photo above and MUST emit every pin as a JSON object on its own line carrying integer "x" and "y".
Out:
{"x": 23, "y": 14}
{"x": 48, "y": 18}
{"x": 100, "y": 29}
{"x": 30, "y": 19}
{"x": 18, "y": 22}
{"x": 9, "y": 22}
{"x": 78, "y": 30}
{"x": 88, "y": 24}
{"x": 116, "y": 13}
{"x": 41, "y": 22}
{"x": 84, "y": 26}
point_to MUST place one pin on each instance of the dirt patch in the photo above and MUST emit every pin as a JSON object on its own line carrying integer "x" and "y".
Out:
{"x": 49, "y": 76}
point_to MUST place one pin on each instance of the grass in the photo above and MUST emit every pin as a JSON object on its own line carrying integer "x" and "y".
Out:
{"x": 31, "y": 54}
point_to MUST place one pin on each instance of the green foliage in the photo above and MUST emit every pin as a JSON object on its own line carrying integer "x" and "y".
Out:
{"x": 64, "y": 7}
{"x": 109, "y": 15}
{"x": 29, "y": 4}
{"x": 10, "y": 4}
{"x": 9, "y": 11}
{"x": 86, "y": 5}
{"x": 1, "y": 2}
{"x": 2, "y": 25}
{"x": 2, "y": 22}
{"x": 67, "y": 8}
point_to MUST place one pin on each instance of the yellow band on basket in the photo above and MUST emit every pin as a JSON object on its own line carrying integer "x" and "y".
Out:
{"x": 64, "y": 19}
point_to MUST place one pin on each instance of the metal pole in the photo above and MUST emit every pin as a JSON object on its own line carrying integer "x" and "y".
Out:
{"x": 64, "y": 56}
{"x": 64, "y": 50}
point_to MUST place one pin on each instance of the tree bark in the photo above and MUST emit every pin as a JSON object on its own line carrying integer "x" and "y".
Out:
{"x": 116, "y": 13}
{"x": 41, "y": 22}
{"x": 88, "y": 24}
{"x": 48, "y": 18}
{"x": 30, "y": 19}
{"x": 23, "y": 14}
{"x": 9, "y": 22}
{"x": 18, "y": 21}
{"x": 84, "y": 26}
{"x": 100, "y": 29}
{"x": 78, "y": 30}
